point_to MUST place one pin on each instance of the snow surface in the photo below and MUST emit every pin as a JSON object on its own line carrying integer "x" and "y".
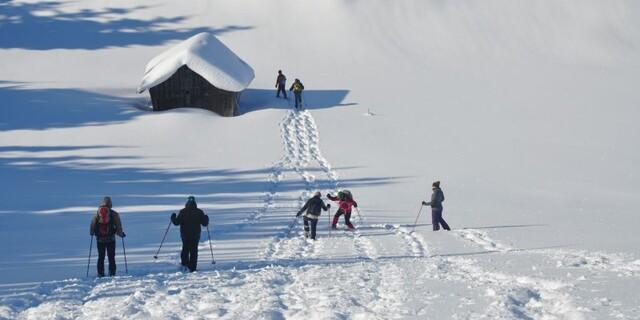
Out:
{"x": 525, "y": 110}
{"x": 205, "y": 55}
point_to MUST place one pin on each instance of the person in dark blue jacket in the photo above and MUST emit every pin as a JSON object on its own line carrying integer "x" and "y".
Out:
{"x": 190, "y": 219}
{"x": 314, "y": 207}
{"x": 437, "y": 197}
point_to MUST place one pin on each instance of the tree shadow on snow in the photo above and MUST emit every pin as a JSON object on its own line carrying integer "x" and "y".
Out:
{"x": 25, "y": 108}
{"x": 46, "y": 25}
{"x": 261, "y": 99}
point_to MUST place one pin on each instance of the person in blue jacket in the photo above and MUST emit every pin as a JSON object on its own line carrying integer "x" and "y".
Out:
{"x": 437, "y": 197}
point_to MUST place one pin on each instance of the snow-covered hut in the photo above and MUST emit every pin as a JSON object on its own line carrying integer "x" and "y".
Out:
{"x": 199, "y": 72}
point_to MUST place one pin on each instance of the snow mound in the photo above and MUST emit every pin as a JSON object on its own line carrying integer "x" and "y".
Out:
{"x": 206, "y": 56}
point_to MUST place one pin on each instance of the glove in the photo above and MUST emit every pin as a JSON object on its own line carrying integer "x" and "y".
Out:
{"x": 123, "y": 235}
{"x": 328, "y": 195}
{"x": 328, "y": 205}
{"x": 355, "y": 205}
{"x": 424, "y": 203}
{"x": 173, "y": 216}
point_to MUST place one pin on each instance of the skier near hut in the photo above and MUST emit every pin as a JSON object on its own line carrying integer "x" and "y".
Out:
{"x": 345, "y": 203}
{"x": 105, "y": 224}
{"x": 190, "y": 219}
{"x": 297, "y": 87}
{"x": 281, "y": 84}
{"x": 314, "y": 207}
{"x": 437, "y": 197}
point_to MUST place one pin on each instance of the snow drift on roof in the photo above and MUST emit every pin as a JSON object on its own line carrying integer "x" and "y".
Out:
{"x": 206, "y": 56}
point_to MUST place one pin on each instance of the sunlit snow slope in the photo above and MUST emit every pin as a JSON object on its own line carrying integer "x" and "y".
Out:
{"x": 525, "y": 110}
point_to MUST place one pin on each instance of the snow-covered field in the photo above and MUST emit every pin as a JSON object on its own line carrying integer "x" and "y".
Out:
{"x": 525, "y": 110}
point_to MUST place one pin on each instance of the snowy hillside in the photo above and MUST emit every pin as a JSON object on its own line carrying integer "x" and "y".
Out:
{"x": 525, "y": 110}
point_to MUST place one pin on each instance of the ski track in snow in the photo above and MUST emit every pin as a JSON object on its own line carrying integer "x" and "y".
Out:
{"x": 533, "y": 297}
{"x": 516, "y": 296}
{"x": 623, "y": 265}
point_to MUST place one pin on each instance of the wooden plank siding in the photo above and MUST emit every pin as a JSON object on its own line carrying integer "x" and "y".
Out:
{"x": 186, "y": 88}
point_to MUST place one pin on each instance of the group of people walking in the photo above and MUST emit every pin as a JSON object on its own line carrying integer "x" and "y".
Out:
{"x": 297, "y": 87}
{"x": 315, "y": 205}
{"x": 106, "y": 224}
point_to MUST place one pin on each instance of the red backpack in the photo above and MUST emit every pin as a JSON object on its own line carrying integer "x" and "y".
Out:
{"x": 106, "y": 225}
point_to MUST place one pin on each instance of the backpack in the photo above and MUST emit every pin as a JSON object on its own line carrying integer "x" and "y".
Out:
{"x": 297, "y": 87}
{"x": 346, "y": 195}
{"x": 106, "y": 225}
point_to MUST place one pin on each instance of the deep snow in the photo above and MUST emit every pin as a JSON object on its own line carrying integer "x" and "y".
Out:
{"x": 205, "y": 55}
{"x": 524, "y": 110}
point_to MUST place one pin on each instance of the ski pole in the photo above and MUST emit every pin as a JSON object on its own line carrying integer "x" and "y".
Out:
{"x": 165, "y": 235}
{"x": 213, "y": 261}
{"x": 291, "y": 224}
{"x": 359, "y": 216}
{"x": 329, "y": 225}
{"x": 124, "y": 252}
{"x": 418, "y": 217}
{"x": 89, "y": 261}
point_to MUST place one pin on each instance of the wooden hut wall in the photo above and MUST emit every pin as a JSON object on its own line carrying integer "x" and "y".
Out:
{"x": 186, "y": 88}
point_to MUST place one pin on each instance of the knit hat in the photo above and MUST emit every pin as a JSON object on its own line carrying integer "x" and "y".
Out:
{"x": 106, "y": 202}
{"x": 317, "y": 194}
{"x": 436, "y": 184}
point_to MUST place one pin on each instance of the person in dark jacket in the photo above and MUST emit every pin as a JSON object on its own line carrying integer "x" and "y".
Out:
{"x": 297, "y": 87}
{"x": 314, "y": 207}
{"x": 190, "y": 219}
{"x": 105, "y": 224}
{"x": 345, "y": 203}
{"x": 281, "y": 84}
{"x": 437, "y": 197}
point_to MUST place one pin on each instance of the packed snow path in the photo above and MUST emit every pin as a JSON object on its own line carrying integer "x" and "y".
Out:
{"x": 380, "y": 271}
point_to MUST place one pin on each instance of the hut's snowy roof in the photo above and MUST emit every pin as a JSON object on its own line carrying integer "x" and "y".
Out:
{"x": 206, "y": 56}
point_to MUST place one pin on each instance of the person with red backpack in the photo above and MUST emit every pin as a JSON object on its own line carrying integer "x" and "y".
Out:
{"x": 190, "y": 219}
{"x": 345, "y": 203}
{"x": 105, "y": 225}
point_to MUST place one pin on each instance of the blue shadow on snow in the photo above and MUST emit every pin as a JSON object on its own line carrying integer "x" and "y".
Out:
{"x": 260, "y": 99}
{"x": 41, "y": 109}
{"x": 23, "y": 26}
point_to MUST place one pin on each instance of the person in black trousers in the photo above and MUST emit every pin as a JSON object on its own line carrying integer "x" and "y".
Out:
{"x": 437, "y": 197}
{"x": 190, "y": 219}
{"x": 105, "y": 224}
{"x": 314, "y": 207}
{"x": 281, "y": 83}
